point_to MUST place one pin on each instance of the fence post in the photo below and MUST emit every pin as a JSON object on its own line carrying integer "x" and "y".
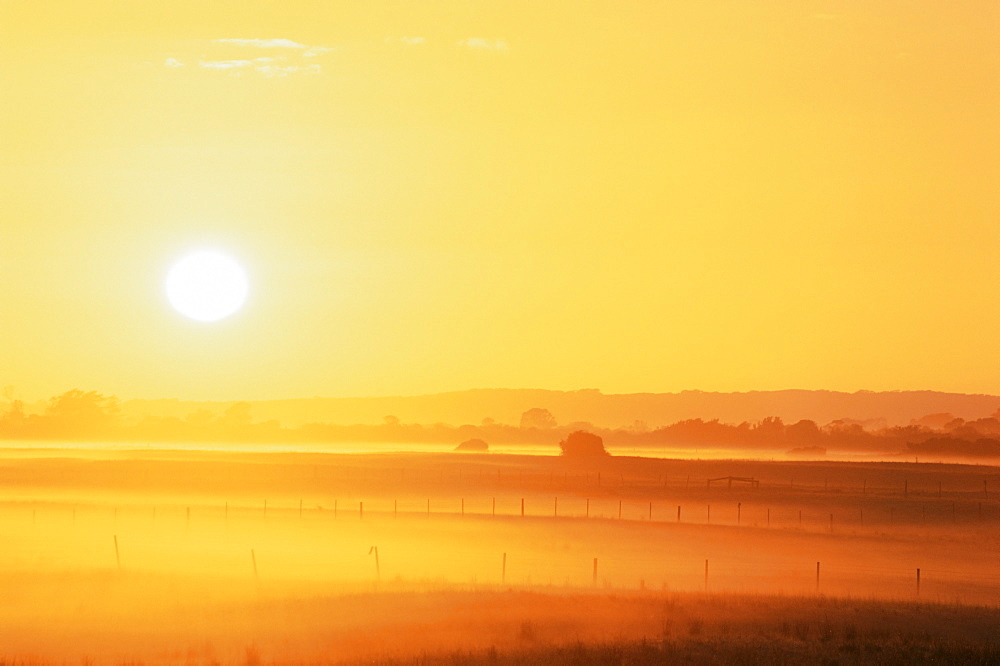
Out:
{"x": 817, "y": 576}
{"x": 918, "y": 581}
{"x": 678, "y": 514}
{"x": 522, "y": 507}
{"x": 706, "y": 575}
{"x": 739, "y": 510}
{"x": 619, "y": 509}
{"x": 378, "y": 571}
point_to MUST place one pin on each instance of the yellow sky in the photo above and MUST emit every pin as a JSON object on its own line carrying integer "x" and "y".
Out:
{"x": 632, "y": 196}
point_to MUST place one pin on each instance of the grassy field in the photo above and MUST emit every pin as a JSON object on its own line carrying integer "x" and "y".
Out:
{"x": 201, "y": 557}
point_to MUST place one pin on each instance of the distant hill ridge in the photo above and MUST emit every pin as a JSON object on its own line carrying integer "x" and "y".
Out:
{"x": 590, "y": 405}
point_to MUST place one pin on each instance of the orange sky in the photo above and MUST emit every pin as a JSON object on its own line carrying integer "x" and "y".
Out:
{"x": 632, "y": 196}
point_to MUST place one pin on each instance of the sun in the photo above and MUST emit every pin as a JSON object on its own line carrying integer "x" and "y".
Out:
{"x": 207, "y": 285}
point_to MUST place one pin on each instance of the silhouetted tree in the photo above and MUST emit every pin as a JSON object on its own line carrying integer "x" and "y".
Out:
{"x": 582, "y": 444}
{"x": 538, "y": 418}
{"x": 474, "y": 445}
{"x": 80, "y": 414}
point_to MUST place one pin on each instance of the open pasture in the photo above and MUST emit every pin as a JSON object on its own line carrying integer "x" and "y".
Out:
{"x": 141, "y": 554}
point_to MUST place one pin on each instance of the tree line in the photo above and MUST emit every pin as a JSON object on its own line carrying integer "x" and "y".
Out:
{"x": 89, "y": 415}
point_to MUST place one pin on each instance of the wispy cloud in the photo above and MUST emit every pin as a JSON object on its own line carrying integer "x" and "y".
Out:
{"x": 263, "y": 43}
{"x": 314, "y": 51}
{"x": 482, "y": 44}
{"x": 407, "y": 41}
{"x": 225, "y": 64}
{"x": 286, "y": 57}
{"x": 268, "y": 67}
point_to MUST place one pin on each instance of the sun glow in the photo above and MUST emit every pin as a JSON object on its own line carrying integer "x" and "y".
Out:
{"x": 207, "y": 286}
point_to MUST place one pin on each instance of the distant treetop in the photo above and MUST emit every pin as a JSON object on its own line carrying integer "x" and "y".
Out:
{"x": 582, "y": 444}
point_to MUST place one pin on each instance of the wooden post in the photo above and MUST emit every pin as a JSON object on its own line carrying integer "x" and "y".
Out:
{"x": 522, "y": 507}
{"x": 588, "y": 508}
{"x": 739, "y": 510}
{"x": 678, "y": 514}
{"x": 595, "y": 571}
{"x": 650, "y": 510}
{"x": 768, "y": 516}
{"x": 817, "y": 576}
{"x": 503, "y": 570}
{"x": 918, "y": 581}
{"x": 118, "y": 558}
{"x": 378, "y": 571}
{"x": 706, "y": 575}
{"x": 619, "y": 509}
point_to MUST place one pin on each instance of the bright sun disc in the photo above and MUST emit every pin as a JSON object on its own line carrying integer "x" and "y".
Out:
{"x": 207, "y": 286}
